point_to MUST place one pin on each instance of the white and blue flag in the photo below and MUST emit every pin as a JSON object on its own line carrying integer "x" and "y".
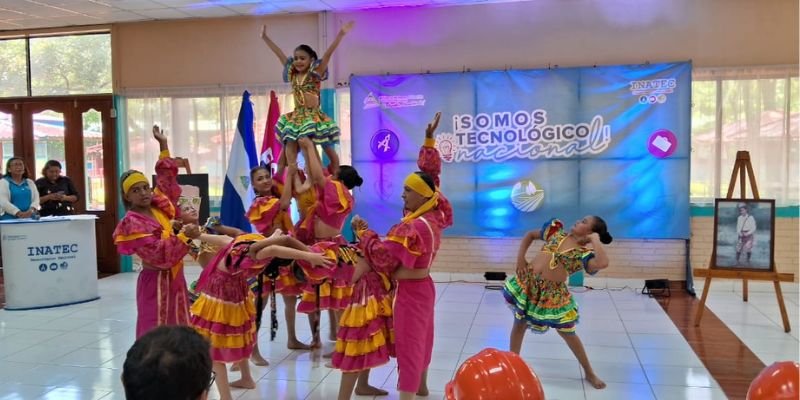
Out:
{"x": 237, "y": 192}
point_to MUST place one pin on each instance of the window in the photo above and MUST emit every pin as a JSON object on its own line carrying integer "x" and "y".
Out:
{"x": 753, "y": 110}
{"x": 200, "y": 126}
{"x": 343, "y": 119}
{"x": 95, "y": 195}
{"x": 6, "y": 128}
{"x": 79, "y": 64}
{"x": 14, "y": 74}
{"x": 48, "y": 140}
{"x": 59, "y": 65}
{"x": 704, "y": 180}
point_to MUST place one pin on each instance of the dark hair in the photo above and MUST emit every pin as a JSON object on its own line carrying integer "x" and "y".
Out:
{"x": 349, "y": 176}
{"x": 169, "y": 362}
{"x": 264, "y": 167}
{"x": 50, "y": 164}
{"x": 259, "y": 168}
{"x": 308, "y": 50}
{"x": 24, "y": 167}
{"x": 601, "y": 229}
{"x": 122, "y": 178}
{"x": 427, "y": 179}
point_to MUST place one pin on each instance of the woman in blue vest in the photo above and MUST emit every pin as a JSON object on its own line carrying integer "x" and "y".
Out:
{"x": 19, "y": 197}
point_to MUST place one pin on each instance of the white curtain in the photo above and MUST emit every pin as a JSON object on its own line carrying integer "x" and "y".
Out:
{"x": 755, "y": 109}
{"x": 200, "y": 124}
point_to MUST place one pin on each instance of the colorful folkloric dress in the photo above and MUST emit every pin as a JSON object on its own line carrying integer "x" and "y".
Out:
{"x": 224, "y": 312}
{"x": 306, "y": 203}
{"x": 365, "y": 338}
{"x": 198, "y": 249}
{"x": 545, "y": 304}
{"x": 413, "y": 243}
{"x": 332, "y": 206}
{"x": 306, "y": 121}
{"x": 266, "y": 215}
{"x": 161, "y": 288}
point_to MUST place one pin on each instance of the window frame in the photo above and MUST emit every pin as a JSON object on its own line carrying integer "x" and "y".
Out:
{"x": 778, "y": 73}
{"x": 29, "y": 79}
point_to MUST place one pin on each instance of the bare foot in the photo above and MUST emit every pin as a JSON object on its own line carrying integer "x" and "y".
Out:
{"x": 297, "y": 345}
{"x": 258, "y": 359}
{"x": 244, "y": 384}
{"x": 423, "y": 391}
{"x": 370, "y": 391}
{"x": 595, "y": 381}
{"x": 315, "y": 344}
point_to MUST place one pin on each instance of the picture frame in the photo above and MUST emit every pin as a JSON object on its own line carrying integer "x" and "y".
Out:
{"x": 195, "y": 187}
{"x": 744, "y": 235}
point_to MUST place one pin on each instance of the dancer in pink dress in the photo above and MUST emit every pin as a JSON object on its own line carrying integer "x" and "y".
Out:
{"x": 146, "y": 230}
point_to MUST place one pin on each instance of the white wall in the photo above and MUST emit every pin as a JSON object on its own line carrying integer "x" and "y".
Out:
{"x": 492, "y": 36}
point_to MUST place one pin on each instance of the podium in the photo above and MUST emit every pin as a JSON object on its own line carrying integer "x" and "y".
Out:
{"x": 49, "y": 262}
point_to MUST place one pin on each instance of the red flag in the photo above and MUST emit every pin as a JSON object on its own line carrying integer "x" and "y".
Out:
{"x": 271, "y": 146}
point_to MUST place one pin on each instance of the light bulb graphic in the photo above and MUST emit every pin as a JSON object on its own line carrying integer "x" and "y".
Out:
{"x": 446, "y": 144}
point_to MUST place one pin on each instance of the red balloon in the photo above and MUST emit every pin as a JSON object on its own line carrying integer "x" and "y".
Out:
{"x": 779, "y": 381}
{"x": 494, "y": 374}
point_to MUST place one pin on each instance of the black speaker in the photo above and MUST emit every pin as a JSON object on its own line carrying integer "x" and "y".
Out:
{"x": 656, "y": 287}
{"x": 494, "y": 276}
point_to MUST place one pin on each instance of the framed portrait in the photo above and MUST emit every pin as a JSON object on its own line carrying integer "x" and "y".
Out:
{"x": 744, "y": 234}
{"x": 194, "y": 198}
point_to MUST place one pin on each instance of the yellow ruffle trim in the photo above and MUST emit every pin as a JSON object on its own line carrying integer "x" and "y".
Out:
{"x": 132, "y": 236}
{"x": 256, "y": 213}
{"x": 237, "y": 341}
{"x": 358, "y": 315}
{"x": 362, "y": 347}
{"x": 328, "y": 290}
{"x": 224, "y": 312}
{"x": 288, "y": 280}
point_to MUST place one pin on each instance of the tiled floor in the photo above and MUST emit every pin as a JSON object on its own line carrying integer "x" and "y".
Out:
{"x": 76, "y": 352}
{"x": 757, "y": 322}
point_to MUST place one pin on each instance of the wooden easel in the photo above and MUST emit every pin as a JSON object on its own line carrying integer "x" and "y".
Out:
{"x": 742, "y": 167}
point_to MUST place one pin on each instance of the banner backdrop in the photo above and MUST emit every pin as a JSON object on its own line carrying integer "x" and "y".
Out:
{"x": 520, "y": 147}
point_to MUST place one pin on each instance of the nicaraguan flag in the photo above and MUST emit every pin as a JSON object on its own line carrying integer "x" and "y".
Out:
{"x": 237, "y": 193}
{"x": 271, "y": 147}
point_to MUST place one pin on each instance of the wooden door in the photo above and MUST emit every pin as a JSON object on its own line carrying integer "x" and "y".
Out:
{"x": 79, "y": 133}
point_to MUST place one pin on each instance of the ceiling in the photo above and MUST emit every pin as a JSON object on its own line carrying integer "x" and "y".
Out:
{"x": 32, "y": 14}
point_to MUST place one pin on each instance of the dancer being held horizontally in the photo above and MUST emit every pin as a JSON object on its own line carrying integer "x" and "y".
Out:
{"x": 408, "y": 253}
{"x": 538, "y": 294}
{"x": 146, "y": 230}
{"x": 305, "y": 71}
{"x": 224, "y": 312}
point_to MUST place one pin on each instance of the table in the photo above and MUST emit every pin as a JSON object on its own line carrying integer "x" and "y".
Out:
{"x": 49, "y": 262}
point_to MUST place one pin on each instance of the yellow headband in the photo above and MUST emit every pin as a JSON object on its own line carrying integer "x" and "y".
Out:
{"x": 415, "y": 183}
{"x": 132, "y": 179}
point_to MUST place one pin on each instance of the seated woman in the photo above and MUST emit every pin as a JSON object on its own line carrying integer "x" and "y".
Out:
{"x": 18, "y": 195}
{"x": 57, "y": 194}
